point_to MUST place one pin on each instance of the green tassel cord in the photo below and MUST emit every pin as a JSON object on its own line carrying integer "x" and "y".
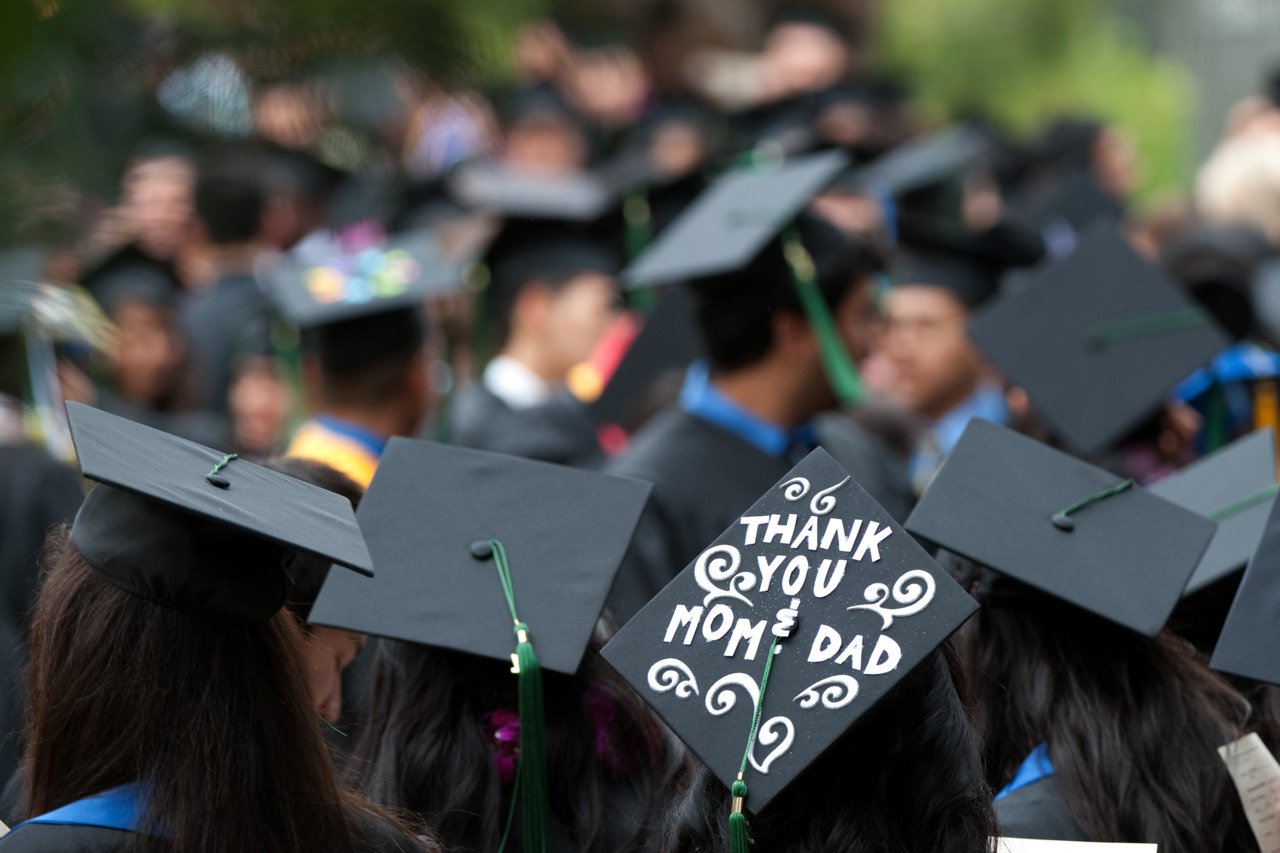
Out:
{"x": 841, "y": 371}
{"x": 637, "y": 220}
{"x": 1063, "y": 521}
{"x": 739, "y": 832}
{"x": 530, "y": 788}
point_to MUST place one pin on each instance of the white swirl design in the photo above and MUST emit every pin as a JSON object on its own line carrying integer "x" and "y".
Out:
{"x": 836, "y": 692}
{"x": 720, "y": 563}
{"x": 769, "y": 735}
{"x": 795, "y": 488}
{"x": 914, "y": 590}
{"x": 824, "y": 501}
{"x": 721, "y": 698}
{"x": 672, "y": 674}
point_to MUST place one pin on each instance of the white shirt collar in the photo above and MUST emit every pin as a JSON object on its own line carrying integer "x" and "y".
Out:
{"x": 515, "y": 384}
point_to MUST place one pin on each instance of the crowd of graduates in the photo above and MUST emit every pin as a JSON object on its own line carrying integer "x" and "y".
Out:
{"x": 571, "y": 357}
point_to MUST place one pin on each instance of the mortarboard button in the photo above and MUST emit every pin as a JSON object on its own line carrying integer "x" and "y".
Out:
{"x": 481, "y": 549}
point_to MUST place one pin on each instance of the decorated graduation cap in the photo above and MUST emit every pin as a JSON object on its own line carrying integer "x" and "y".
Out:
{"x": 1235, "y": 487}
{"x": 194, "y": 529}
{"x": 729, "y": 226}
{"x": 470, "y": 545}
{"x": 355, "y": 307}
{"x": 1250, "y": 639}
{"x": 1062, "y": 526}
{"x": 786, "y": 630}
{"x": 1097, "y": 340}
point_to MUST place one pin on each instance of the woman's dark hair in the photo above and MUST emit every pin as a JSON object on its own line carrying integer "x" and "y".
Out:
{"x": 211, "y": 715}
{"x": 906, "y": 778}
{"x": 1133, "y": 723}
{"x": 735, "y": 309}
{"x": 424, "y": 748}
{"x": 307, "y": 571}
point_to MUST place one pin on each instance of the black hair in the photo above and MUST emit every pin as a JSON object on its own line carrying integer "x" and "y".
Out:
{"x": 1132, "y": 722}
{"x": 547, "y": 258}
{"x": 907, "y": 777}
{"x": 735, "y": 309}
{"x": 423, "y": 746}
{"x": 231, "y": 192}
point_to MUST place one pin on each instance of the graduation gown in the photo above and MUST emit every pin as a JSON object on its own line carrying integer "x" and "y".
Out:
{"x": 560, "y": 430}
{"x": 704, "y": 477}
{"x": 1037, "y": 811}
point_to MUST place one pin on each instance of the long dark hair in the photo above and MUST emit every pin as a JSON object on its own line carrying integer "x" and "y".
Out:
{"x": 1133, "y": 723}
{"x": 906, "y": 778}
{"x": 423, "y": 747}
{"x": 212, "y": 715}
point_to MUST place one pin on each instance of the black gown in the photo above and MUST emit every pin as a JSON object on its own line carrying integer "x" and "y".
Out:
{"x": 560, "y": 430}
{"x": 1037, "y": 811}
{"x": 704, "y": 477}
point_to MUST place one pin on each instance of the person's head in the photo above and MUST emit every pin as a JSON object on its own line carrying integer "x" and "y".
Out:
{"x": 328, "y": 651}
{"x": 542, "y": 133}
{"x": 230, "y": 195}
{"x": 934, "y": 365}
{"x": 805, "y": 51}
{"x": 1074, "y": 145}
{"x": 156, "y": 200}
{"x": 552, "y": 300}
{"x": 601, "y": 744}
{"x": 752, "y": 318}
{"x": 1114, "y": 707}
{"x": 1240, "y": 184}
{"x": 298, "y": 191}
{"x": 907, "y": 776}
{"x": 211, "y": 713}
{"x": 149, "y": 350}
{"x": 373, "y": 370}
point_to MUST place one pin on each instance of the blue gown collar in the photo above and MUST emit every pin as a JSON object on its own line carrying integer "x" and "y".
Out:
{"x": 122, "y": 808}
{"x": 1035, "y": 767}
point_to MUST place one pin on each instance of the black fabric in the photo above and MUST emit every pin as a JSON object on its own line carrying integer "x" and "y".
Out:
{"x": 704, "y": 477}
{"x": 560, "y": 430}
{"x": 225, "y": 325}
{"x": 1247, "y": 645}
{"x": 349, "y": 346}
{"x": 1037, "y": 811}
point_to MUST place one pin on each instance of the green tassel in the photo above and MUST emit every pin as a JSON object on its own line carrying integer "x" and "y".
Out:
{"x": 533, "y": 755}
{"x": 739, "y": 836}
{"x": 841, "y": 372}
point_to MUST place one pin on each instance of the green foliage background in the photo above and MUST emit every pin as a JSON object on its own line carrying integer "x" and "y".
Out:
{"x": 1022, "y": 62}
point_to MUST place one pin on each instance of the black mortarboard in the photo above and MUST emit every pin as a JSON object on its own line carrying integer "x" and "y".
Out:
{"x": 1062, "y": 526}
{"x": 1234, "y": 487}
{"x": 579, "y": 197}
{"x": 358, "y": 307}
{"x": 1249, "y": 644}
{"x": 868, "y": 605}
{"x": 734, "y": 219}
{"x": 565, "y": 532}
{"x": 1075, "y": 200}
{"x": 922, "y": 163}
{"x": 973, "y": 280}
{"x": 1097, "y": 340}
{"x": 194, "y": 529}
{"x": 968, "y": 264}
{"x": 668, "y": 341}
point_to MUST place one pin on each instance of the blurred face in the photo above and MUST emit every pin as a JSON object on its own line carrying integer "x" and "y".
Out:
{"x": 545, "y": 144}
{"x": 935, "y": 367}
{"x": 576, "y": 316}
{"x": 148, "y": 352}
{"x": 801, "y": 57}
{"x": 259, "y": 404}
{"x": 858, "y": 321}
{"x": 329, "y": 652}
{"x": 158, "y": 204}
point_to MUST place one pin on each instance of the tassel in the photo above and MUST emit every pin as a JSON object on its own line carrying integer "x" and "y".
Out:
{"x": 739, "y": 835}
{"x": 842, "y": 373}
{"x": 533, "y": 756}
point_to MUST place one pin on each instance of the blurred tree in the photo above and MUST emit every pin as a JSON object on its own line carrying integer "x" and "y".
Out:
{"x": 1023, "y": 62}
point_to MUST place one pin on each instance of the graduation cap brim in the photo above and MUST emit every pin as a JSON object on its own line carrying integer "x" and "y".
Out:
{"x": 257, "y": 501}
{"x": 728, "y": 225}
{"x": 565, "y": 532}
{"x": 1235, "y": 487}
{"x": 1249, "y": 639}
{"x": 401, "y": 274}
{"x": 573, "y": 198}
{"x": 922, "y": 163}
{"x": 697, "y": 651}
{"x": 1126, "y": 558}
{"x": 1098, "y": 340}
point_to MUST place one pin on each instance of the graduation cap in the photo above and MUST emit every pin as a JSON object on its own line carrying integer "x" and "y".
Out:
{"x": 357, "y": 307}
{"x": 1075, "y": 200}
{"x": 787, "y": 629}
{"x": 1097, "y": 339}
{"x": 1062, "y": 526}
{"x": 578, "y": 197}
{"x": 1249, "y": 639}
{"x": 968, "y": 264}
{"x": 922, "y": 163}
{"x": 194, "y": 529}
{"x": 1234, "y": 487}
{"x": 732, "y": 222}
{"x": 469, "y": 543}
